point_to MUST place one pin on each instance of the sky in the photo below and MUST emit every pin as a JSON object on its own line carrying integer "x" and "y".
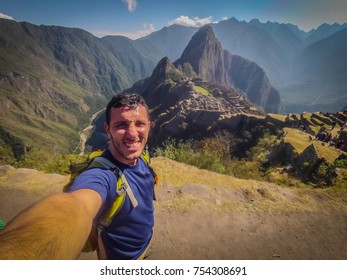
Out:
{"x": 138, "y": 18}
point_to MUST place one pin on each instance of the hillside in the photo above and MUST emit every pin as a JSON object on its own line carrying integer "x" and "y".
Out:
{"x": 50, "y": 85}
{"x": 219, "y": 127}
{"x": 53, "y": 79}
{"x": 306, "y": 67}
{"x": 319, "y": 64}
{"x": 205, "y": 215}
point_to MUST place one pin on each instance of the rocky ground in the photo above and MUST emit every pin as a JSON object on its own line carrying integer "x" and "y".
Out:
{"x": 211, "y": 216}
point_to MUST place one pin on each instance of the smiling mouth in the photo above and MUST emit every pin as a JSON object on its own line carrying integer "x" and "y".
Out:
{"x": 132, "y": 144}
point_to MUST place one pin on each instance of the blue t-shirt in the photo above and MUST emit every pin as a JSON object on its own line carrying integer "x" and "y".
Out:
{"x": 130, "y": 231}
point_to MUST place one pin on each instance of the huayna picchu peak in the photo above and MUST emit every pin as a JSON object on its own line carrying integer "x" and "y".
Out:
{"x": 211, "y": 63}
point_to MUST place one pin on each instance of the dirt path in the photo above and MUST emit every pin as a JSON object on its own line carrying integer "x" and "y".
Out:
{"x": 194, "y": 221}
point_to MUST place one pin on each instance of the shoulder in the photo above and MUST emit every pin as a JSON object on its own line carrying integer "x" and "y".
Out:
{"x": 97, "y": 174}
{"x": 97, "y": 179}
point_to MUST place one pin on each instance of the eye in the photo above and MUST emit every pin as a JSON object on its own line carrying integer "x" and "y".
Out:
{"x": 120, "y": 125}
{"x": 141, "y": 124}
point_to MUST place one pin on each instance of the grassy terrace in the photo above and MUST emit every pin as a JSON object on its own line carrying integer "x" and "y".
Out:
{"x": 300, "y": 140}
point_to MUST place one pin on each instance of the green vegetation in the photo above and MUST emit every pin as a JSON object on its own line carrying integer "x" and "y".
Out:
{"x": 326, "y": 174}
{"x": 216, "y": 154}
{"x": 201, "y": 90}
{"x": 43, "y": 160}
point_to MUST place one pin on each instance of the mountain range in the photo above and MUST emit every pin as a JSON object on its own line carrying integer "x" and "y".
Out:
{"x": 54, "y": 78}
{"x": 288, "y": 55}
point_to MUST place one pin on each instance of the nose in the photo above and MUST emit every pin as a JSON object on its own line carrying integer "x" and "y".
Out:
{"x": 132, "y": 131}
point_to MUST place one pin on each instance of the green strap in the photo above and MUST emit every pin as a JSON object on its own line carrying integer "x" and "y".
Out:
{"x": 145, "y": 156}
{"x": 129, "y": 191}
{"x": 125, "y": 184}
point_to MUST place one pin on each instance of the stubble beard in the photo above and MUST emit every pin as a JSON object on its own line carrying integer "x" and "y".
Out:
{"x": 117, "y": 152}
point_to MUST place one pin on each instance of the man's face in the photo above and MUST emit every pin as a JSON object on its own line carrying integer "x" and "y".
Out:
{"x": 128, "y": 133}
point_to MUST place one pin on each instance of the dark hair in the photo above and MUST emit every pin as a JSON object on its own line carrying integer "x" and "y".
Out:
{"x": 131, "y": 100}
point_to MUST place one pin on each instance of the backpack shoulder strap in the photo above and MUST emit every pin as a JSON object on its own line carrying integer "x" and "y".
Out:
{"x": 122, "y": 187}
{"x": 146, "y": 157}
{"x": 125, "y": 186}
{"x": 102, "y": 162}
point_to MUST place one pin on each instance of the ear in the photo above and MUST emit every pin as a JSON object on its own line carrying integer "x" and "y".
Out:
{"x": 107, "y": 128}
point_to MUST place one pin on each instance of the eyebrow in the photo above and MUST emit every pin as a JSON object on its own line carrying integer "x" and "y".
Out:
{"x": 126, "y": 122}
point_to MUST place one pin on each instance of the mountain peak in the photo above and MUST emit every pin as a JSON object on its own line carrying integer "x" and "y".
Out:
{"x": 199, "y": 46}
{"x": 163, "y": 70}
{"x": 206, "y": 55}
{"x": 205, "y": 31}
{"x": 212, "y": 63}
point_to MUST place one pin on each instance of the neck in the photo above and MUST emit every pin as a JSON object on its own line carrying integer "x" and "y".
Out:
{"x": 121, "y": 158}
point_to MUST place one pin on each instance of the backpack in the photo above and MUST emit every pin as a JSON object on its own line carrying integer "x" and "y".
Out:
{"x": 95, "y": 160}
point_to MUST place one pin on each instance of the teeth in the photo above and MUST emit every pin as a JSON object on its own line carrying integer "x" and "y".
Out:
{"x": 131, "y": 144}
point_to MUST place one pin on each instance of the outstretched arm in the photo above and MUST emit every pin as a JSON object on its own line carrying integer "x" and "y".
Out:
{"x": 54, "y": 228}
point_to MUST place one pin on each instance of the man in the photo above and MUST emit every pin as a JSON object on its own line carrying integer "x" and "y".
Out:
{"x": 58, "y": 226}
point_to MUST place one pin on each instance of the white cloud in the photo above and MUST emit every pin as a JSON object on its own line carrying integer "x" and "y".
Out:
{"x": 192, "y": 22}
{"x": 148, "y": 29}
{"x": 6, "y": 16}
{"x": 131, "y": 4}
